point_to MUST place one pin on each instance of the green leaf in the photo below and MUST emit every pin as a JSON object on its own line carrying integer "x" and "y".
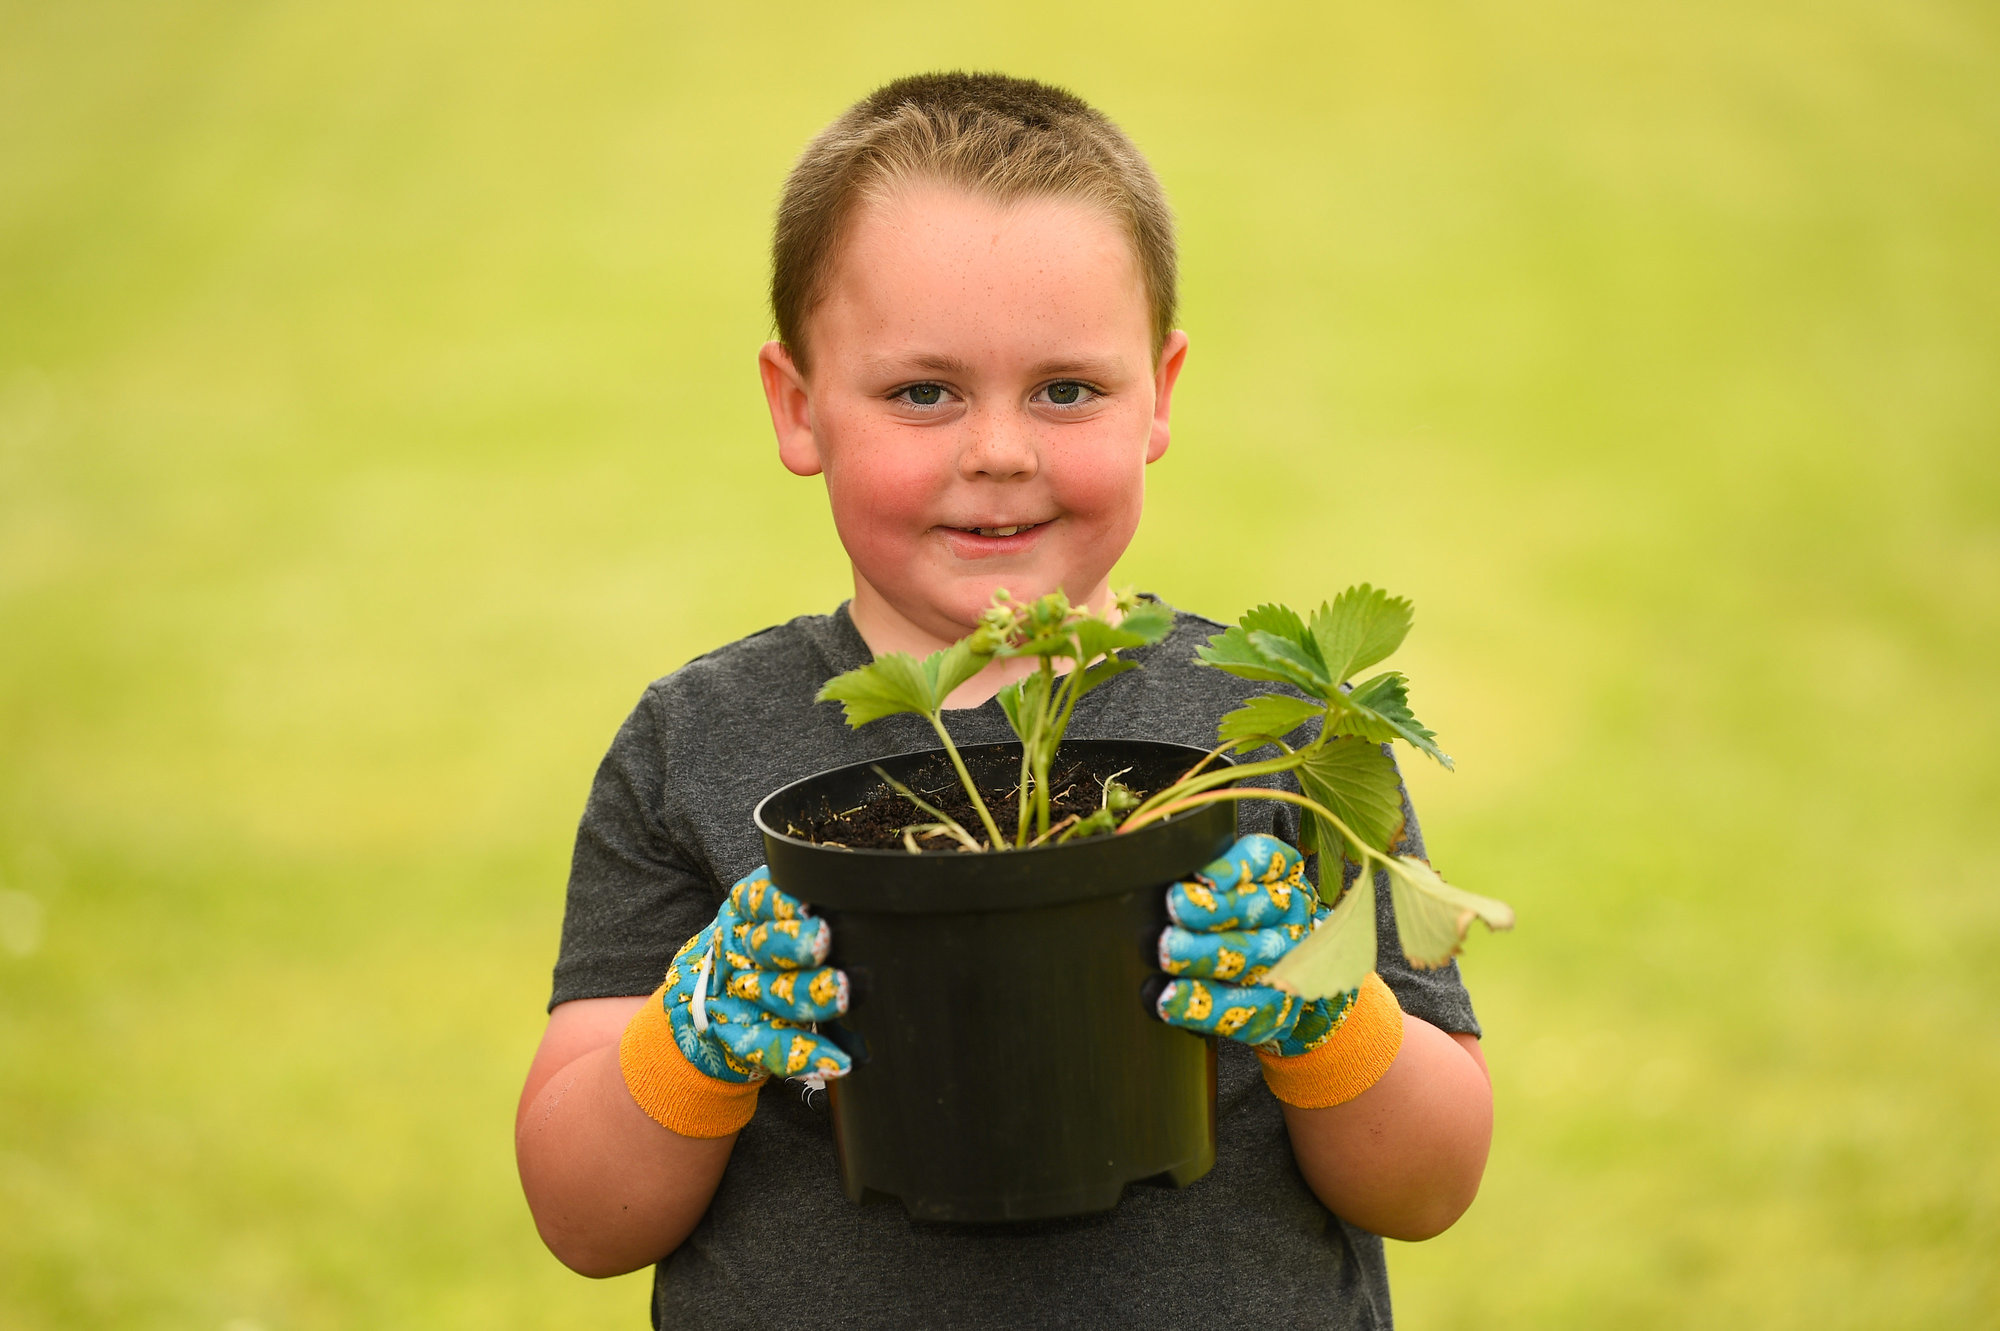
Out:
{"x": 948, "y": 669}
{"x": 1379, "y": 709}
{"x": 1354, "y": 779}
{"x": 1281, "y": 620}
{"x": 1041, "y": 644}
{"x": 1149, "y": 620}
{"x": 1361, "y": 626}
{"x": 1145, "y": 625}
{"x": 1339, "y": 954}
{"x": 1022, "y": 702}
{"x": 1301, "y": 665}
{"x": 1103, "y": 670}
{"x": 1432, "y": 916}
{"x": 1309, "y": 833}
{"x": 1010, "y": 704}
{"x": 1093, "y": 639}
{"x": 1264, "y": 718}
{"x": 1231, "y": 651}
{"x": 889, "y": 685}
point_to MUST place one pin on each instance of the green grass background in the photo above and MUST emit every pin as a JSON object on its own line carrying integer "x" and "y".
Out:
{"x": 377, "y": 416}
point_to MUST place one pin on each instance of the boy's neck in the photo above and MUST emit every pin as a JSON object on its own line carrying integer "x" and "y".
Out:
{"x": 886, "y": 629}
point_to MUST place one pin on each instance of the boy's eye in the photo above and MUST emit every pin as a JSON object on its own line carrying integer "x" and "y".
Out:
{"x": 1069, "y": 393}
{"x": 923, "y": 395}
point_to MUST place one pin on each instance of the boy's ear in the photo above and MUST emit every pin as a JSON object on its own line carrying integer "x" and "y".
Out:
{"x": 1173, "y": 354}
{"x": 791, "y": 409}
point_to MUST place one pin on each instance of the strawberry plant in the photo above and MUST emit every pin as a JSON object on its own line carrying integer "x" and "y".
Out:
{"x": 1331, "y": 732}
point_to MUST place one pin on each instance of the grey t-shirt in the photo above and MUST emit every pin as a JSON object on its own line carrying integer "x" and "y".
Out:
{"x": 668, "y": 828}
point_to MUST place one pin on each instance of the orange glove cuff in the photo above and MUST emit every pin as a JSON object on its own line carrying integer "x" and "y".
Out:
{"x": 1352, "y": 1059}
{"x": 673, "y": 1092}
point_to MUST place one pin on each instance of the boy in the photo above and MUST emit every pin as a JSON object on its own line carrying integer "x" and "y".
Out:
{"x": 974, "y": 290}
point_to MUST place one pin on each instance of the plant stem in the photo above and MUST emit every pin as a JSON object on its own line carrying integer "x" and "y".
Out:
{"x": 1206, "y": 759}
{"x": 965, "y": 778}
{"x": 952, "y": 830}
{"x": 1047, "y": 725}
{"x": 1057, "y": 828}
{"x": 1220, "y": 776}
{"x": 945, "y": 821}
{"x": 1027, "y": 778}
{"x": 1365, "y": 851}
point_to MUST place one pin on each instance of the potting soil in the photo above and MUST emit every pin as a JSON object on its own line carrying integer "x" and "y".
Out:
{"x": 879, "y": 823}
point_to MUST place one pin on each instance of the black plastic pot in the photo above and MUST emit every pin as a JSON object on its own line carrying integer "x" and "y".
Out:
{"x": 1006, "y": 1066}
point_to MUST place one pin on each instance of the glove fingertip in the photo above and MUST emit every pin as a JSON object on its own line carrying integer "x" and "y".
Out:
{"x": 830, "y": 1060}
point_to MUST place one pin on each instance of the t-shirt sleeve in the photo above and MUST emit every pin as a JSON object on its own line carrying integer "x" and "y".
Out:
{"x": 1438, "y": 996}
{"x": 634, "y": 893}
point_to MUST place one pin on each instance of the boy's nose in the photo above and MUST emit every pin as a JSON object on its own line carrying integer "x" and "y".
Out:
{"x": 999, "y": 446}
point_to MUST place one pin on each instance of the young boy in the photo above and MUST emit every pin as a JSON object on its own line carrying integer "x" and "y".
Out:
{"x": 974, "y": 292}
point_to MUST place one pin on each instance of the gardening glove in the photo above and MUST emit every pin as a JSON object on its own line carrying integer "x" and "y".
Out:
{"x": 736, "y": 1007}
{"x": 1232, "y": 922}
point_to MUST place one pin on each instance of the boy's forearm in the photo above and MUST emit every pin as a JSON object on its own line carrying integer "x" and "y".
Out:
{"x": 611, "y": 1191}
{"x": 1404, "y": 1158}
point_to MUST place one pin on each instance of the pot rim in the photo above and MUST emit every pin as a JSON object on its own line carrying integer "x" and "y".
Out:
{"x": 858, "y": 878}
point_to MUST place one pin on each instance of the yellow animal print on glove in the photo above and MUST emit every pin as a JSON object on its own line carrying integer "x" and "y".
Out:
{"x": 783, "y": 985}
{"x": 762, "y": 933}
{"x": 1280, "y": 894}
{"x": 825, "y": 984}
{"x": 1281, "y": 875}
{"x": 1258, "y": 883}
{"x": 1232, "y": 1020}
{"x": 745, "y": 984}
{"x": 1250, "y": 1014}
{"x": 1284, "y": 867}
{"x": 1228, "y": 964}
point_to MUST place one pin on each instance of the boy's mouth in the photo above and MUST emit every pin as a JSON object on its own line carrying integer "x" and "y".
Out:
{"x": 1014, "y": 530}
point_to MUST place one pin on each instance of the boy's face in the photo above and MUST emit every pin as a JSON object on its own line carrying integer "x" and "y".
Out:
{"x": 983, "y": 402}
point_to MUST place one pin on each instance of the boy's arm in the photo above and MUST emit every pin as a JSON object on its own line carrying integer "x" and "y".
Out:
{"x": 1403, "y": 1159}
{"x": 610, "y": 1189}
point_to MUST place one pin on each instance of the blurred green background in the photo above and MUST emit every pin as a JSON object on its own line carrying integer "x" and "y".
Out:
{"x": 378, "y": 416}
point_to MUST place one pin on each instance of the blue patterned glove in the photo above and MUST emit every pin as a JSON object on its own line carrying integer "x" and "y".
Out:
{"x": 734, "y": 1009}
{"x": 1232, "y": 922}
{"x": 741, "y": 993}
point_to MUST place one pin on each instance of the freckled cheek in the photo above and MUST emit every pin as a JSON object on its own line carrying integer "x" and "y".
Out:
{"x": 1108, "y": 491}
{"x": 883, "y": 499}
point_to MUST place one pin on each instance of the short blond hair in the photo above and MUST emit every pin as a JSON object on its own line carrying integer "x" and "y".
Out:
{"x": 993, "y": 135}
